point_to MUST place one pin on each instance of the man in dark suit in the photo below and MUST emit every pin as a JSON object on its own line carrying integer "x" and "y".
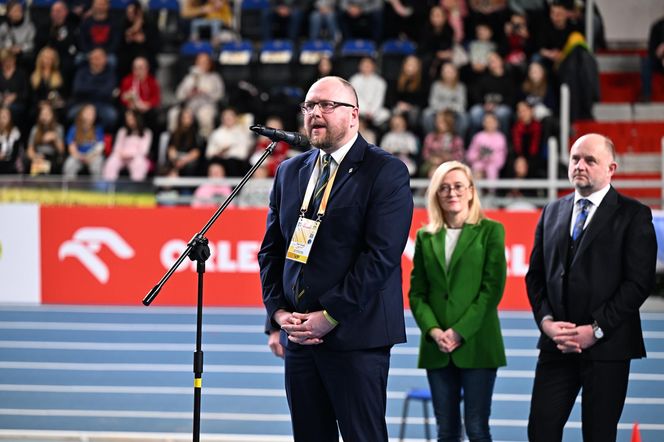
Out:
{"x": 337, "y": 297}
{"x": 591, "y": 268}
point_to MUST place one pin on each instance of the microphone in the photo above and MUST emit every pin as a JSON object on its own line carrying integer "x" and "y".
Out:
{"x": 293, "y": 138}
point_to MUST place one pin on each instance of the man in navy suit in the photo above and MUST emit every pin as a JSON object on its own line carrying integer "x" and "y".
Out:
{"x": 330, "y": 262}
{"x": 591, "y": 268}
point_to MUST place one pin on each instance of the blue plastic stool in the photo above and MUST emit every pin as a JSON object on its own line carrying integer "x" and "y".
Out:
{"x": 417, "y": 394}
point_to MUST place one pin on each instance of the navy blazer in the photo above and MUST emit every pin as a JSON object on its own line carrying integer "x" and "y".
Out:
{"x": 610, "y": 276}
{"x": 354, "y": 269}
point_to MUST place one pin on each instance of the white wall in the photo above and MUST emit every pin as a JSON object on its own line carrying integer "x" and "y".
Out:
{"x": 629, "y": 20}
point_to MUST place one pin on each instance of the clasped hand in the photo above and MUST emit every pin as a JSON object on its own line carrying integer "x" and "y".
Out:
{"x": 447, "y": 340}
{"x": 304, "y": 328}
{"x": 569, "y": 337}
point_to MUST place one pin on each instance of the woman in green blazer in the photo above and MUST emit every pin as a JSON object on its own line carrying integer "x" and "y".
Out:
{"x": 458, "y": 278}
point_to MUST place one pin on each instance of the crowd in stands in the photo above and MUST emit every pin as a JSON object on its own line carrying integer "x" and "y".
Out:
{"x": 79, "y": 92}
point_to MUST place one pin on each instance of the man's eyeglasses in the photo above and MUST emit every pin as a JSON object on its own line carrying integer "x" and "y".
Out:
{"x": 458, "y": 188}
{"x": 326, "y": 106}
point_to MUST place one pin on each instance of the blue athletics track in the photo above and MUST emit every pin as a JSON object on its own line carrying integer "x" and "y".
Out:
{"x": 125, "y": 373}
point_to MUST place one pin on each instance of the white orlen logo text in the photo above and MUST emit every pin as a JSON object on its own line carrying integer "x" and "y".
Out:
{"x": 87, "y": 242}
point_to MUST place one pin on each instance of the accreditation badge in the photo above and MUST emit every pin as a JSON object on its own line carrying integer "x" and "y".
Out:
{"x": 303, "y": 238}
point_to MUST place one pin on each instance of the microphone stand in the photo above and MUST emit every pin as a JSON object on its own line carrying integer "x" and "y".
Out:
{"x": 199, "y": 251}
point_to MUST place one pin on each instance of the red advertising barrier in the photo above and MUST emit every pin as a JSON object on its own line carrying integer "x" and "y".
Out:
{"x": 115, "y": 255}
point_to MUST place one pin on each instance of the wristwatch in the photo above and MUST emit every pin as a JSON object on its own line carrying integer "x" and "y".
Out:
{"x": 597, "y": 331}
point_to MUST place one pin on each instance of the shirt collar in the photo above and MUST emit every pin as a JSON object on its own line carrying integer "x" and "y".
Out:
{"x": 339, "y": 154}
{"x": 595, "y": 198}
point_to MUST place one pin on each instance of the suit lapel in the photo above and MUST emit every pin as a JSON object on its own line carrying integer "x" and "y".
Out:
{"x": 562, "y": 226}
{"x": 305, "y": 172}
{"x": 438, "y": 248}
{"x": 602, "y": 215}
{"x": 468, "y": 235}
{"x": 349, "y": 164}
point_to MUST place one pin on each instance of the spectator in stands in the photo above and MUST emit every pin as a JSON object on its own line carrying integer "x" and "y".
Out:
{"x": 403, "y": 18}
{"x": 371, "y": 89}
{"x": 527, "y": 142}
{"x": 281, "y": 151}
{"x": 409, "y": 94}
{"x": 47, "y": 83}
{"x": 456, "y": 12}
{"x": 447, "y": 93}
{"x": 140, "y": 39}
{"x": 492, "y": 12}
{"x": 323, "y": 17}
{"x": 441, "y": 145}
{"x": 480, "y": 48}
{"x": 256, "y": 193}
{"x": 200, "y": 91}
{"x": 10, "y": 148}
{"x": 579, "y": 70}
{"x": 537, "y": 90}
{"x": 60, "y": 34}
{"x": 212, "y": 194}
{"x": 487, "y": 151}
{"x": 17, "y": 33}
{"x": 654, "y": 60}
{"x": 185, "y": 146}
{"x": 554, "y": 33}
{"x": 401, "y": 142}
{"x": 517, "y": 41}
{"x": 130, "y": 149}
{"x": 361, "y": 19}
{"x": 231, "y": 144}
{"x": 95, "y": 83}
{"x": 85, "y": 143}
{"x": 140, "y": 92}
{"x": 98, "y": 30}
{"x": 280, "y": 11}
{"x": 493, "y": 92}
{"x": 197, "y": 14}
{"x": 13, "y": 85}
{"x": 436, "y": 42}
{"x": 46, "y": 145}
{"x": 366, "y": 131}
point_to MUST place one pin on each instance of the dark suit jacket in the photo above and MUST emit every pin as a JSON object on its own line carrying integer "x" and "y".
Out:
{"x": 611, "y": 274}
{"x": 354, "y": 269}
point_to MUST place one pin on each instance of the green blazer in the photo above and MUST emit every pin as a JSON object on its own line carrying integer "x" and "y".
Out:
{"x": 464, "y": 297}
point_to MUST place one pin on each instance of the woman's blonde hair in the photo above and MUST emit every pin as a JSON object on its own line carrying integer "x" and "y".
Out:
{"x": 435, "y": 211}
{"x": 55, "y": 78}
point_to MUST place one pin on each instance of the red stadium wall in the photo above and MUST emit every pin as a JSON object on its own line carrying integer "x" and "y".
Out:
{"x": 115, "y": 255}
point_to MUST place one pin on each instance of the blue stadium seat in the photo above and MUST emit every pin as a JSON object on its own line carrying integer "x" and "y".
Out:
{"x": 350, "y": 53}
{"x": 311, "y": 51}
{"x": 275, "y": 64}
{"x": 416, "y": 394}
{"x": 250, "y": 18}
{"x": 236, "y": 59}
{"x": 392, "y": 54}
{"x": 193, "y": 48}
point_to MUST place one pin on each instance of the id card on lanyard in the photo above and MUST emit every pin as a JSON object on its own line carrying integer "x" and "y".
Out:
{"x": 306, "y": 229}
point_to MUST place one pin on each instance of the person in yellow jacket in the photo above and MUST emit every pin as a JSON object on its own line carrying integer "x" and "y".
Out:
{"x": 458, "y": 277}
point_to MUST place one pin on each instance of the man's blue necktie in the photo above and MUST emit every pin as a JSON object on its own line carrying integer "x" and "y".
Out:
{"x": 581, "y": 217}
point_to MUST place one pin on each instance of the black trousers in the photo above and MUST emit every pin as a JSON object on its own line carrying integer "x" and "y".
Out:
{"x": 558, "y": 379}
{"x": 327, "y": 388}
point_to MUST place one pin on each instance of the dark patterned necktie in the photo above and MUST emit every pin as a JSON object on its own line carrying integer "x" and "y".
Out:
{"x": 319, "y": 190}
{"x": 581, "y": 217}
